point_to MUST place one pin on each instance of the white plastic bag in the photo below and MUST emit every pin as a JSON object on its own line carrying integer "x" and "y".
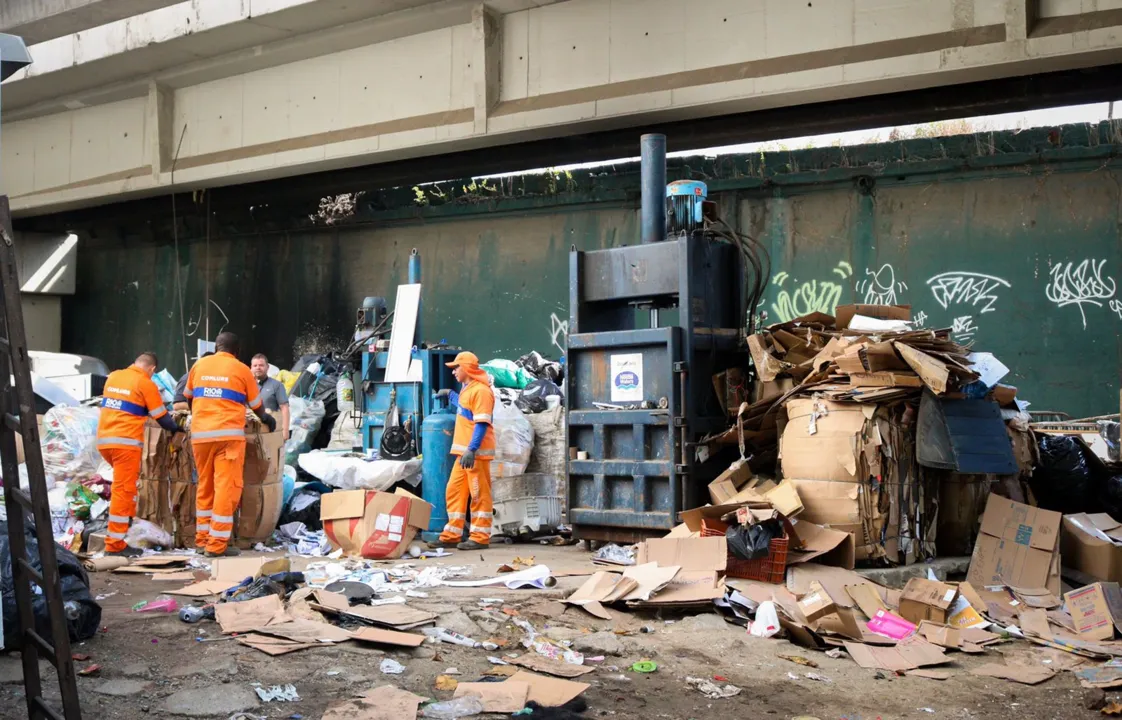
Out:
{"x": 144, "y": 535}
{"x": 766, "y": 623}
{"x": 514, "y": 441}
{"x": 354, "y": 473}
{"x": 304, "y": 421}
{"x": 69, "y": 443}
{"x": 344, "y": 434}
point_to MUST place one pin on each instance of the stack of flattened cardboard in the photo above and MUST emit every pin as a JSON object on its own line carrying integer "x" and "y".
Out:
{"x": 854, "y": 469}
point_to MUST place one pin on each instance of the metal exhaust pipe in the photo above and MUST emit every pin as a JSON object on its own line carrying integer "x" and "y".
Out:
{"x": 652, "y": 167}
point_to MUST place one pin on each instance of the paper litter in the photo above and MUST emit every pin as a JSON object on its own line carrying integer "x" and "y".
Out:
{"x": 278, "y": 693}
{"x": 545, "y": 648}
{"x": 711, "y": 690}
{"x": 390, "y": 666}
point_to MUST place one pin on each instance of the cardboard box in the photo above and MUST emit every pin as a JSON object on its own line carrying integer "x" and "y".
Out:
{"x": 817, "y": 602}
{"x": 845, "y": 313}
{"x": 1017, "y": 545}
{"x": 729, "y": 483}
{"x": 1089, "y": 611}
{"x": 372, "y": 524}
{"x": 1092, "y": 543}
{"x": 929, "y": 600}
{"x": 771, "y": 390}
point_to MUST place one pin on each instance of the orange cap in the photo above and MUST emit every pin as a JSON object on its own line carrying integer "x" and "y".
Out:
{"x": 464, "y": 358}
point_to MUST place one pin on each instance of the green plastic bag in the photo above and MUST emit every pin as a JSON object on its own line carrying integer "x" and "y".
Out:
{"x": 507, "y": 374}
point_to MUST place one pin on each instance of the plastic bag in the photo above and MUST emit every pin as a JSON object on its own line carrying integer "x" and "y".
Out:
{"x": 461, "y": 707}
{"x": 144, "y": 534}
{"x": 1063, "y": 481}
{"x": 165, "y": 382}
{"x": 753, "y": 542}
{"x": 541, "y": 368}
{"x": 507, "y": 374}
{"x": 304, "y": 421}
{"x": 69, "y": 442}
{"x": 344, "y": 434}
{"x": 303, "y": 508}
{"x": 83, "y": 614}
{"x": 514, "y": 441}
{"x": 766, "y": 623}
{"x": 347, "y": 472}
{"x": 288, "y": 483}
{"x": 288, "y": 379}
{"x": 550, "y": 451}
{"x": 533, "y": 397}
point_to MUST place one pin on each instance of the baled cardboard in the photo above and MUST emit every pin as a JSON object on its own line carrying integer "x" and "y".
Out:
{"x": 932, "y": 371}
{"x": 1090, "y": 613}
{"x": 1017, "y": 545}
{"x": 728, "y": 483}
{"x": 844, "y": 313}
{"x": 771, "y": 390}
{"x": 817, "y": 602}
{"x": 372, "y": 524}
{"x": 1092, "y": 543}
{"x": 925, "y": 599}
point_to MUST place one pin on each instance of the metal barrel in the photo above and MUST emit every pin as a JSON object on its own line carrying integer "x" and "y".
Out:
{"x": 652, "y": 166}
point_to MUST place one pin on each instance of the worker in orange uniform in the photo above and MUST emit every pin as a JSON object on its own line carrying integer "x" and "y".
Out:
{"x": 128, "y": 400}
{"x": 218, "y": 389}
{"x": 474, "y": 442}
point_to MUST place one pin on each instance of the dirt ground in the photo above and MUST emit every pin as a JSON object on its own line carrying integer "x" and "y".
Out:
{"x": 158, "y": 656}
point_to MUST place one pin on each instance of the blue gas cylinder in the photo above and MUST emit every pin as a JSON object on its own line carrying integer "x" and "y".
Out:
{"x": 436, "y": 463}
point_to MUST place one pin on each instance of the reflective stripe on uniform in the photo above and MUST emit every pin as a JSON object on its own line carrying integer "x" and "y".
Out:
{"x": 222, "y": 518}
{"x": 456, "y": 516}
{"x": 225, "y": 534}
{"x": 203, "y": 513}
{"x": 240, "y": 432}
{"x": 481, "y": 418}
{"x": 158, "y": 412}
{"x": 116, "y": 536}
{"x": 255, "y": 404}
{"x": 118, "y": 519}
{"x": 187, "y": 393}
{"x": 120, "y": 441}
{"x": 200, "y": 524}
{"x": 479, "y": 529}
{"x": 482, "y": 515}
{"x": 452, "y": 529}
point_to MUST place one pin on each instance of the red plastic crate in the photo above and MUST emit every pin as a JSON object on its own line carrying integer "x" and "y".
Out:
{"x": 770, "y": 569}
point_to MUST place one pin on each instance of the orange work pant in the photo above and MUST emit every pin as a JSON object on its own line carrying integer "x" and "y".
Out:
{"x": 122, "y": 500}
{"x": 462, "y": 485}
{"x": 219, "y": 493}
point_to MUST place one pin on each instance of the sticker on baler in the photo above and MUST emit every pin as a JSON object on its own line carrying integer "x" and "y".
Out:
{"x": 627, "y": 377}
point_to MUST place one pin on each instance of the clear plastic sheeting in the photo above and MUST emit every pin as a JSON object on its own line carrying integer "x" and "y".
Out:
{"x": 304, "y": 421}
{"x": 514, "y": 441}
{"x": 344, "y": 434}
{"x": 350, "y": 472}
{"x": 144, "y": 534}
{"x": 69, "y": 443}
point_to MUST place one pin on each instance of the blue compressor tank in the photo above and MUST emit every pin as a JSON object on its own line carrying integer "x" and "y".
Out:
{"x": 437, "y": 461}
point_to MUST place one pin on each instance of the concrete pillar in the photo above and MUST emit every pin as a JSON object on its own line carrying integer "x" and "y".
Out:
{"x": 486, "y": 64}
{"x": 161, "y": 137}
{"x": 1020, "y": 17}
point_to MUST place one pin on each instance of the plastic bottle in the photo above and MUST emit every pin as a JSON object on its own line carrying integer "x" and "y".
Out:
{"x": 345, "y": 393}
{"x": 464, "y": 706}
{"x": 192, "y": 614}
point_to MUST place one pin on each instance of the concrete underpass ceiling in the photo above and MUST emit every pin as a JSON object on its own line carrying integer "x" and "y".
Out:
{"x": 195, "y": 42}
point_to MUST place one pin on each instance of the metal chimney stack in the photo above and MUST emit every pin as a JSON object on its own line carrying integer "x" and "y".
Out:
{"x": 652, "y": 167}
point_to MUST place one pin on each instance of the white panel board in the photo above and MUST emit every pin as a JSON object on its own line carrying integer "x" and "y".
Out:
{"x": 401, "y": 337}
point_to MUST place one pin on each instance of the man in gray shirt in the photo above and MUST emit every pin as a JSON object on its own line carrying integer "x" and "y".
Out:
{"x": 273, "y": 395}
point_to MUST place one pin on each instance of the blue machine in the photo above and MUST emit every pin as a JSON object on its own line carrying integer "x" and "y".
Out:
{"x": 649, "y": 327}
{"x": 402, "y": 407}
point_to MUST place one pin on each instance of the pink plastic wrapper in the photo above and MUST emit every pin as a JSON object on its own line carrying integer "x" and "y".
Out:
{"x": 167, "y": 606}
{"x": 891, "y": 625}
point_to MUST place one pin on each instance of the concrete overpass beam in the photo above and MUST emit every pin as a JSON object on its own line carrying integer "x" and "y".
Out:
{"x": 1020, "y": 18}
{"x": 39, "y": 20}
{"x": 487, "y": 55}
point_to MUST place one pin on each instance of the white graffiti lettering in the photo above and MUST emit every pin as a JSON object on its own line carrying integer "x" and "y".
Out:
{"x": 880, "y": 286}
{"x": 920, "y": 318}
{"x": 1116, "y": 306}
{"x": 963, "y": 328}
{"x": 966, "y": 288}
{"x": 558, "y": 331}
{"x": 1080, "y": 285}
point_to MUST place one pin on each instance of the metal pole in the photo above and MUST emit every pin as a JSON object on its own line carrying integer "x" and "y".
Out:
{"x": 414, "y": 278}
{"x": 652, "y": 167}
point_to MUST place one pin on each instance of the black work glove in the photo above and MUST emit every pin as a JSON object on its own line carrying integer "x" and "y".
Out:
{"x": 270, "y": 422}
{"x": 467, "y": 460}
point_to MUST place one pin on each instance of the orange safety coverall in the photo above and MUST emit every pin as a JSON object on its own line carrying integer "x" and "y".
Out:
{"x": 477, "y": 404}
{"x": 220, "y": 387}
{"x": 129, "y": 399}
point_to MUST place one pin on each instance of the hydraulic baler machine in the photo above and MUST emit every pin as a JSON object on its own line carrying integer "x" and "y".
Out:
{"x": 650, "y": 326}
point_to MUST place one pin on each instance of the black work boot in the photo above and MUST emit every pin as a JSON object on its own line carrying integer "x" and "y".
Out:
{"x": 230, "y": 551}
{"x": 472, "y": 545}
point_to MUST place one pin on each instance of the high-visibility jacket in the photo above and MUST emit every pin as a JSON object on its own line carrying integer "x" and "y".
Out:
{"x": 220, "y": 387}
{"x": 129, "y": 399}
{"x": 477, "y": 404}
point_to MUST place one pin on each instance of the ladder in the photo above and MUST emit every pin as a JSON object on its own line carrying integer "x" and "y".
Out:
{"x": 17, "y": 415}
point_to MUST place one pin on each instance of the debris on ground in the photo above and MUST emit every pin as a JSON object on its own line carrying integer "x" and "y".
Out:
{"x": 278, "y": 693}
{"x": 712, "y": 690}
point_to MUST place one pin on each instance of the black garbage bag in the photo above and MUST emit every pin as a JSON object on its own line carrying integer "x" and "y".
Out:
{"x": 541, "y": 368}
{"x": 83, "y": 614}
{"x": 303, "y": 507}
{"x": 1063, "y": 481}
{"x": 1110, "y": 496}
{"x": 532, "y": 397}
{"x": 753, "y": 542}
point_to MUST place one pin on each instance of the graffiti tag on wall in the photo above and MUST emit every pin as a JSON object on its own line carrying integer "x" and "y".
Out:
{"x": 966, "y": 288}
{"x": 1080, "y": 284}
{"x": 558, "y": 332}
{"x": 880, "y": 286}
{"x": 802, "y": 298}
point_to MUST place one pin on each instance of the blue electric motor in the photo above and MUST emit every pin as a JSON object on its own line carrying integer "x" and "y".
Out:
{"x": 685, "y": 200}
{"x": 437, "y": 461}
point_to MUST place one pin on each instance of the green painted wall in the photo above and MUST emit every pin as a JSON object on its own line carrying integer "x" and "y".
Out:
{"x": 1013, "y": 239}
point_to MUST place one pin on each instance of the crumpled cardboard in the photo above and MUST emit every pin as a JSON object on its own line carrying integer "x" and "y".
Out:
{"x": 372, "y": 524}
{"x": 1018, "y": 545}
{"x": 1092, "y": 543}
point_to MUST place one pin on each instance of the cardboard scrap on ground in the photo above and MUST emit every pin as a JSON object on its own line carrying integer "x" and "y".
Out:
{"x": 381, "y": 636}
{"x": 273, "y": 645}
{"x": 1100, "y": 677}
{"x": 1017, "y": 545}
{"x": 1016, "y": 673}
{"x": 1090, "y": 613}
{"x": 687, "y": 589}
{"x": 383, "y": 703}
{"x": 104, "y": 563}
{"x": 396, "y": 617}
{"x": 236, "y": 569}
{"x": 205, "y": 588}
{"x": 175, "y": 576}
{"x": 539, "y": 663}
{"x": 547, "y": 691}
{"x": 597, "y": 590}
{"x": 306, "y": 631}
{"x": 930, "y": 674}
{"x": 161, "y": 560}
{"x": 834, "y": 580}
{"x": 909, "y": 654}
{"x": 238, "y": 617}
{"x": 498, "y": 697}
{"x": 146, "y": 569}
